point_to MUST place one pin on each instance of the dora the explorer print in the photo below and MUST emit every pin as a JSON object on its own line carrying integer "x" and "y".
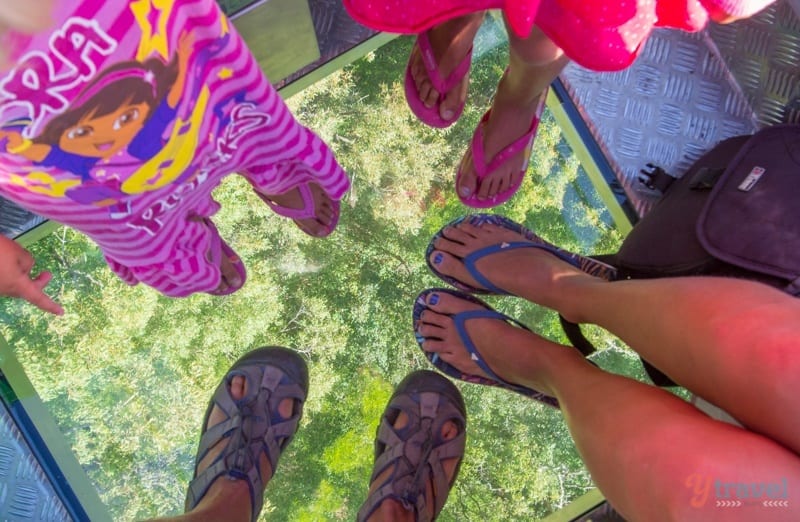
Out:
{"x": 122, "y": 119}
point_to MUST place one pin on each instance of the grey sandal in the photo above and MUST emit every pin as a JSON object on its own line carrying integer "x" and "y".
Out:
{"x": 254, "y": 425}
{"x": 417, "y": 450}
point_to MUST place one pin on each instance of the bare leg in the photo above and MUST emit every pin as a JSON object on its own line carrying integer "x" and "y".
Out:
{"x": 450, "y": 42}
{"x": 735, "y": 343}
{"x": 534, "y": 63}
{"x": 228, "y": 500}
{"x": 654, "y": 456}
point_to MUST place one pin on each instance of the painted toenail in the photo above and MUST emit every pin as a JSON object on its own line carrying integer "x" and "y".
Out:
{"x": 466, "y": 191}
{"x": 438, "y": 258}
{"x": 448, "y": 114}
{"x": 434, "y": 299}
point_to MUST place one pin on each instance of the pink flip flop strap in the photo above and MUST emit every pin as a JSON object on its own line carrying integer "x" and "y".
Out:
{"x": 442, "y": 85}
{"x": 307, "y": 211}
{"x": 484, "y": 168}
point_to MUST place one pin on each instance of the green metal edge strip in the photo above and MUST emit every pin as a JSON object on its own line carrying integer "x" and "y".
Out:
{"x": 336, "y": 64}
{"x": 52, "y": 436}
{"x": 589, "y": 165}
{"x": 38, "y": 232}
{"x": 578, "y": 507}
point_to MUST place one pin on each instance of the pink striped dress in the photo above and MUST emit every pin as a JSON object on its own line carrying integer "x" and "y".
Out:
{"x": 123, "y": 118}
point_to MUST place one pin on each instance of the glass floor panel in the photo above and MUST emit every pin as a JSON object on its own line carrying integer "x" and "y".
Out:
{"x": 127, "y": 373}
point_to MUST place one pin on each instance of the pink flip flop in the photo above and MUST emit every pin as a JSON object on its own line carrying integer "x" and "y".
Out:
{"x": 484, "y": 168}
{"x": 431, "y": 116}
{"x": 307, "y": 211}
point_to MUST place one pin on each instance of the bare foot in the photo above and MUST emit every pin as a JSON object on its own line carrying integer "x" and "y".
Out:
{"x": 226, "y": 490}
{"x": 450, "y": 42}
{"x": 515, "y": 355}
{"x": 323, "y": 209}
{"x": 393, "y": 510}
{"x": 532, "y": 273}
{"x": 510, "y": 118}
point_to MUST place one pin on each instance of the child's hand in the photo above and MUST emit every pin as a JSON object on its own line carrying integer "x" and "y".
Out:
{"x": 15, "y": 280}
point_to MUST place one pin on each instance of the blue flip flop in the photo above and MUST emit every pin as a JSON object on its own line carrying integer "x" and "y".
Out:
{"x": 460, "y": 320}
{"x": 585, "y": 264}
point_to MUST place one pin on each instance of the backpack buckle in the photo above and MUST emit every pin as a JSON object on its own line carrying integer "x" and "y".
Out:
{"x": 656, "y": 178}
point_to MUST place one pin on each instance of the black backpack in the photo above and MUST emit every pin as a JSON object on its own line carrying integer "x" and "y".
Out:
{"x": 734, "y": 213}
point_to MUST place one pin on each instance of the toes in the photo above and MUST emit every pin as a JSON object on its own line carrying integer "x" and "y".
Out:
{"x": 401, "y": 421}
{"x": 430, "y": 317}
{"x": 452, "y": 102}
{"x": 486, "y": 188}
{"x": 448, "y": 264}
{"x": 325, "y": 214}
{"x": 516, "y": 177}
{"x": 449, "y": 430}
{"x": 429, "y": 331}
{"x": 428, "y": 94}
{"x": 435, "y": 346}
{"x": 230, "y": 276}
{"x": 463, "y": 233}
{"x": 468, "y": 180}
{"x": 447, "y": 304}
{"x": 236, "y": 386}
{"x": 418, "y": 70}
{"x": 286, "y": 408}
{"x": 503, "y": 184}
{"x": 312, "y": 228}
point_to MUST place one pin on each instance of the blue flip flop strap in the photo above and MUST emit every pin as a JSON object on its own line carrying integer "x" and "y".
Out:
{"x": 470, "y": 262}
{"x": 460, "y": 321}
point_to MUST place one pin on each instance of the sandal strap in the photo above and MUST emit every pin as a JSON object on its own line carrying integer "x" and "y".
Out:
{"x": 442, "y": 85}
{"x": 484, "y": 167}
{"x": 471, "y": 260}
{"x": 250, "y": 430}
{"x": 417, "y": 458}
{"x": 460, "y": 321}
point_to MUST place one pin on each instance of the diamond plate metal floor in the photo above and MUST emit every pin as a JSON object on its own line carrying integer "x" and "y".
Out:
{"x": 686, "y": 92}
{"x": 25, "y": 492}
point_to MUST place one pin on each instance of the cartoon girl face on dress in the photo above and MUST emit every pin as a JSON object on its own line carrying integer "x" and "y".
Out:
{"x": 104, "y": 136}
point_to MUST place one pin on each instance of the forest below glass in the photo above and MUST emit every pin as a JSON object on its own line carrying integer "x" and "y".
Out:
{"x": 127, "y": 372}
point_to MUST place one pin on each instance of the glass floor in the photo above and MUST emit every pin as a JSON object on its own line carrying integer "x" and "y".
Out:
{"x": 127, "y": 373}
